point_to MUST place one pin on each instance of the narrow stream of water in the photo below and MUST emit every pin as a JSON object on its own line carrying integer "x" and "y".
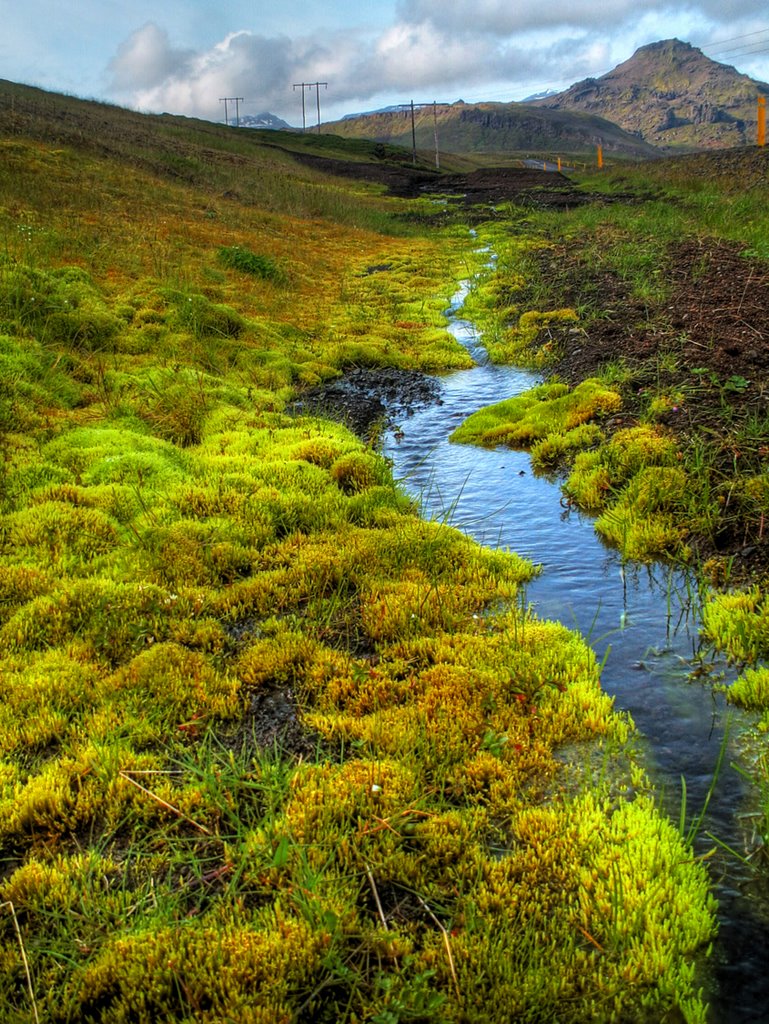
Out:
{"x": 642, "y": 616}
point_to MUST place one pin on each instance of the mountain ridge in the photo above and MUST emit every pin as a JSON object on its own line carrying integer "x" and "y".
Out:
{"x": 672, "y": 96}
{"x": 495, "y": 129}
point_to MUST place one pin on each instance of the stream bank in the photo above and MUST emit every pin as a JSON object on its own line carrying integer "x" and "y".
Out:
{"x": 641, "y": 619}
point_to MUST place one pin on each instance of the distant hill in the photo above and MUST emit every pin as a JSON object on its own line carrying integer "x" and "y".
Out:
{"x": 512, "y": 129}
{"x": 368, "y": 113}
{"x": 263, "y": 120}
{"x": 673, "y": 96}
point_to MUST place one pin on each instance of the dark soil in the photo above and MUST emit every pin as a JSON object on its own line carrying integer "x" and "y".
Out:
{"x": 716, "y": 316}
{"x": 486, "y": 187}
{"x": 709, "y": 341}
{"x": 365, "y": 400}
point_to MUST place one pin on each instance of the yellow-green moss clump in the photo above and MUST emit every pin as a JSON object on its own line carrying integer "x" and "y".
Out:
{"x": 549, "y": 409}
{"x": 272, "y": 748}
{"x": 433, "y": 842}
{"x": 632, "y": 479}
{"x": 530, "y": 342}
{"x": 738, "y": 622}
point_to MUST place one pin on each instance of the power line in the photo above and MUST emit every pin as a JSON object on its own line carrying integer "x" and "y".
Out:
{"x": 412, "y": 106}
{"x": 733, "y": 39}
{"x": 741, "y": 51}
{"x": 310, "y": 85}
{"x": 237, "y": 100}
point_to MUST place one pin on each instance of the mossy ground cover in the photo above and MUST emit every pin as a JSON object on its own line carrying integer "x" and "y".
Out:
{"x": 178, "y": 555}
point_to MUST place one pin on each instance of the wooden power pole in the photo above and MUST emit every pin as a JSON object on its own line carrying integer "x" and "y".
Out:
{"x": 310, "y": 85}
{"x": 412, "y": 107}
{"x": 232, "y": 99}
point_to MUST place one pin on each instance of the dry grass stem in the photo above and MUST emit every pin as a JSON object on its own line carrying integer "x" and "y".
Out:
{"x": 378, "y": 902}
{"x": 164, "y": 803}
{"x": 447, "y": 944}
{"x": 25, "y": 961}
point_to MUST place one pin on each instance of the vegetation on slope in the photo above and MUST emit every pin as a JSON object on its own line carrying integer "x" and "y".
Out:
{"x": 506, "y": 130}
{"x": 274, "y": 748}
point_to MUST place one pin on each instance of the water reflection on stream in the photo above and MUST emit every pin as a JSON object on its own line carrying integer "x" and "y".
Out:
{"x": 642, "y": 615}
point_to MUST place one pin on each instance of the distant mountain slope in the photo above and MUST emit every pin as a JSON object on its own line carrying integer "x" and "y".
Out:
{"x": 674, "y": 96}
{"x": 498, "y": 128}
{"x": 263, "y": 120}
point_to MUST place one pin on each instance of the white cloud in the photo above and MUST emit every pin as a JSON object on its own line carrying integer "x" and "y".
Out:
{"x": 503, "y": 17}
{"x": 440, "y": 49}
{"x": 147, "y": 59}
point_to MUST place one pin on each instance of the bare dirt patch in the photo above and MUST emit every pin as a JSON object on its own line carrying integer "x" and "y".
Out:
{"x": 527, "y": 186}
{"x": 709, "y": 343}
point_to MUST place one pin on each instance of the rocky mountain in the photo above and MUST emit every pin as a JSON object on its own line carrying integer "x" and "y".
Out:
{"x": 673, "y": 96}
{"x": 510, "y": 129}
{"x": 264, "y": 120}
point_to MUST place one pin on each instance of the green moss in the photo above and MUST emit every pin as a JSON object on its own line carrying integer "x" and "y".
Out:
{"x": 274, "y": 748}
{"x": 32, "y": 385}
{"x": 635, "y": 480}
{"x": 555, "y": 448}
{"x": 647, "y": 520}
{"x": 19, "y": 584}
{"x": 207, "y": 970}
{"x": 62, "y": 306}
{"x": 544, "y": 410}
{"x": 751, "y": 689}
{"x": 738, "y": 623}
{"x": 199, "y": 316}
{"x": 240, "y": 258}
{"x": 114, "y": 619}
{"x": 43, "y": 698}
{"x": 164, "y": 688}
{"x": 359, "y": 471}
{"x": 67, "y": 537}
{"x": 106, "y": 454}
{"x": 531, "y": 342}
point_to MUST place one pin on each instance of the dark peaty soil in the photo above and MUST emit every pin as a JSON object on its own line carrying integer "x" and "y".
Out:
{"x": 487, "y": 187}
{"x": 366, "y": 399}
{"x": 716, "y": 316}
{"x": 710, "y": 341}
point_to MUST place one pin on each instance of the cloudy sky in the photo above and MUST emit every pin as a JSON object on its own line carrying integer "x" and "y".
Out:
{"x": 184, "y": 56}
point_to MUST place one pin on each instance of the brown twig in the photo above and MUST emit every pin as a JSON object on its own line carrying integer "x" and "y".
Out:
{"x": 590, "y": 938}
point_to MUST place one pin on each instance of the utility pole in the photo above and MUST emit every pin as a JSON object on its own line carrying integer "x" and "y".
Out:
{"x": 310, "y": 85}
{"x": 302, "y": 86}
{"x": 412, "y": 107}
{"x": 237, "y": 100}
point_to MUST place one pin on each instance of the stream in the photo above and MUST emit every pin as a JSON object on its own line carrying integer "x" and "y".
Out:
{"x": 641, "y": 618}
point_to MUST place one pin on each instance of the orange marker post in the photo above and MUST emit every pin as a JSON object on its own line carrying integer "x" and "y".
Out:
{"x": 761, "y": 128}
{"x": 559, "y": 165}
{"x": 600, "y": 157}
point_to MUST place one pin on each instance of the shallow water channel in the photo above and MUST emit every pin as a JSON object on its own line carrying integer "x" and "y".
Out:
{"x": 641, "y": 618}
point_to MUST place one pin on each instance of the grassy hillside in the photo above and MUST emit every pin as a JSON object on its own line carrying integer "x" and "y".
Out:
{"x": 505, "y": 130}
{"x": 272, "y": 747}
